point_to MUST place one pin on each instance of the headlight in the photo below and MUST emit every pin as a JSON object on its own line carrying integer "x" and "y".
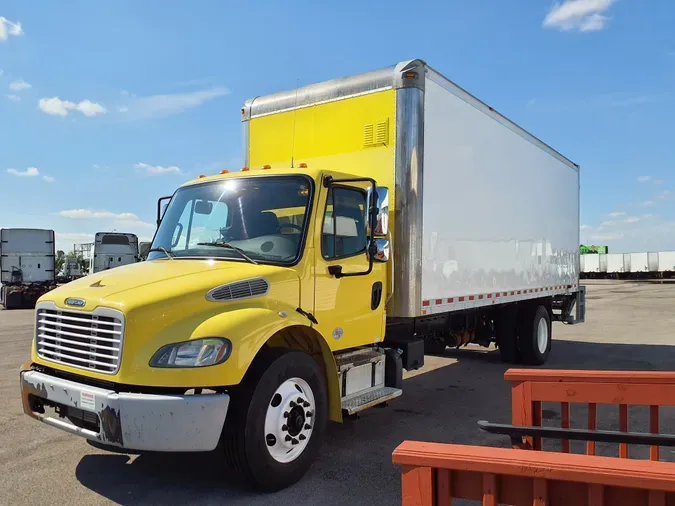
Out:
{"x": 197, "y": 353}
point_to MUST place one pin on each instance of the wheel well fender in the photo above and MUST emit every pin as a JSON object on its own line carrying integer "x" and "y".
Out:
{"x": 308, "y": 340}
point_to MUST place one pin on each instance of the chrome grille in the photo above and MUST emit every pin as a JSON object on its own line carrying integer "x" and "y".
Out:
{"x": 86, "y": 340}
{"x": 239, "y": 290}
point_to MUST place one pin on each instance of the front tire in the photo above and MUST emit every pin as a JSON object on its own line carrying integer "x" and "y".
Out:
{"x": 535, "y": 335}
{"x": 276, "y": 420}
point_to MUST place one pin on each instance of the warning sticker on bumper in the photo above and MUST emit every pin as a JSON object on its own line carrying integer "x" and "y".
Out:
{"x": 88, "y": 401}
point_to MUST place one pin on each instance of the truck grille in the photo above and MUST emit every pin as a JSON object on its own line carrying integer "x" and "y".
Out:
{"x": 86, "y": 340}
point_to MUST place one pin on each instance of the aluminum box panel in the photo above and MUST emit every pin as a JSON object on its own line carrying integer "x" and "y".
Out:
{"x": 499, "y": 211}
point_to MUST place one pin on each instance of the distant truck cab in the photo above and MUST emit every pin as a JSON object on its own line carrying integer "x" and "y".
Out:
{"x": 112, "y": 249}
{"x": 377, "y": 216}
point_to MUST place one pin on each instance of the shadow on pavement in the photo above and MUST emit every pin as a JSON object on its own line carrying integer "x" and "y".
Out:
{"x": 354, "y": 466}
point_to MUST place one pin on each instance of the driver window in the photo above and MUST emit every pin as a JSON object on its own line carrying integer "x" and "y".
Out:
{"x": 344, "y": 225}
{"x": 208, "y": 227}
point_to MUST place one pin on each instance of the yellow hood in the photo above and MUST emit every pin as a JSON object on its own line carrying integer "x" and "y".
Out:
{"x": 149, "y": 282}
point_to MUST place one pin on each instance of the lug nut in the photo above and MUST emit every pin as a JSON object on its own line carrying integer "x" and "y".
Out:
{"x": 308, "y": 414}
{"x": 307, "y": 426}
{"x": 306, "y": 404}
{"x": 292, "y": 404}
{"x": 285, "y": 414}
{"x": 284, "y": 427}
{"x": 300, "y": 400}
{"x": 295, "y": 441}
{"x": 302, "y": 437}
{"x": 288, "y": 438}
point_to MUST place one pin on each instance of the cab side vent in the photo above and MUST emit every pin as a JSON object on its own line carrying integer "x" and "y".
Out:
{"x": 239, "y": 290}
{"x": 368, "y": 135}
{"x": 382, "y": 132}
{"x": 376, "y": 134}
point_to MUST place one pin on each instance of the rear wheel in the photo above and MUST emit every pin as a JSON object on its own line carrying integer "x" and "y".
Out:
{"x": 535, "y": 335}
{"x": 276, "y": 420}
{"x": 506, "y": 333}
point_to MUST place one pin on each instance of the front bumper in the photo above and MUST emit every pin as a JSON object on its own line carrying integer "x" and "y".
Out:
{"x": 127, "y": 420}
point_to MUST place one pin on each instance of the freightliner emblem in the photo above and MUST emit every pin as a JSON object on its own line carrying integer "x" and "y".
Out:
{"x": 75, "y": 302}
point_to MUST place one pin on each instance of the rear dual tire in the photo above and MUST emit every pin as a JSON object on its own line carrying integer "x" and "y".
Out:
{"x": 525, "y": 338}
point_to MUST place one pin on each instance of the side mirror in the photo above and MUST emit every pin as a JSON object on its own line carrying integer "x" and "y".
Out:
{"x": 382, "y": 250}
{"x": 162, "y": 204}
{"x": 382, "y": 221}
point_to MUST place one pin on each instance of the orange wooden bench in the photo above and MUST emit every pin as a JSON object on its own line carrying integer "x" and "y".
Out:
{"x": 531, "y": 387}
{"x": 434, "y": 473}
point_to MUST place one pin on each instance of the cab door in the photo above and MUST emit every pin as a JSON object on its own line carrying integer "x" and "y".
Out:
{"x": 349, "y": 308}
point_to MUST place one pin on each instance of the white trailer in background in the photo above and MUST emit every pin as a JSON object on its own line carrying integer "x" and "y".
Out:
{"x": 618, "y": 263}
{"x": 144, "y": 247}
{"x": 27, "y": 266}
{"x": 667, "y": 261}
{"x": 113, "y": 249}
{"x": 639, "y": 262}
{"x": 592, "y": 263}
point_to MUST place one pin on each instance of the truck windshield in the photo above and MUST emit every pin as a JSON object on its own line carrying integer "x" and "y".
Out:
{"x": 263, "y": 217}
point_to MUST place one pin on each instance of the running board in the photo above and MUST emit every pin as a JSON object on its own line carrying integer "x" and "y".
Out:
{"x": 370, "y": 399}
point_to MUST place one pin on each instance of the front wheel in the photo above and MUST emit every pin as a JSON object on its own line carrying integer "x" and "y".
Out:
{"x": 276, "y": 420}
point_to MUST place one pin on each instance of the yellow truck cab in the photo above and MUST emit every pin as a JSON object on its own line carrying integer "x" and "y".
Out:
{"x": 296, "y": 291}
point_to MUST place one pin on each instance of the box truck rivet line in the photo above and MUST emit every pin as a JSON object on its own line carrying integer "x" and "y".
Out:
{"x": 341, "y": 268}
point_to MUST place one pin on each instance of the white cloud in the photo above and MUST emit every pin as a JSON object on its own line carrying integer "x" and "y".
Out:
{"x": 658, "y": 181}
{"x": 644, "y": 179}
{"x": 2, "y": 72}
{"x": 648, "y": 203}
{"x": 605, "y": 224}
{"x": 57, "y": 107}
{"x": 9, "y": 29}
{"x": 29, "y": 172}
{"x": 48, "y": 179}
{"x": 631, "y": 219}
{"x": 160, "y": 106}
{"x": 585, "y": 227}
{"x": 92, "y": 214}
{"x": 607, "y": 237}
{"x": 665, "y": 195}
{"x": 154, "y": 170}
{"x": 89, "y": 108}
{"x": 121, "y": 219}
{"x": 74, "y": 236}
{"x": 582, "y": 15}
{"x": 19, "y": 85}
{"x": 14, "y": 98}
{"x": 133, "y": 223}
{"x": 616, "y": 214}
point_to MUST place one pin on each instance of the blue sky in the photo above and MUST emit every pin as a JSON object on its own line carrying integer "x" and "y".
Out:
{"x": 106, "y": 106}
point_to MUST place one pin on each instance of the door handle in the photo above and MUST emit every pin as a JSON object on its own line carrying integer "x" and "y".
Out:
{"x": 376, "y": 295}
{"x": 335, "y": 270}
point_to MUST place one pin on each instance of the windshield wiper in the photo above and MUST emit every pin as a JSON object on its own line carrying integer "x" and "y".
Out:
{"x": 227, "y": 245}
{"x": 169, "y": 254}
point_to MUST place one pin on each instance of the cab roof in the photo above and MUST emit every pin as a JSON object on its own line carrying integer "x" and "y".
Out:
{"x": 314, "y": 173}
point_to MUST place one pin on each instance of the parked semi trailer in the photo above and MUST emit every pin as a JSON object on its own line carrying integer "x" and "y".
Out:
{"x": 377, "y": 214}
{"x": 623, "y": 265}
{"x": 27, "y": 260}
{"x": 113, "y": 249}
